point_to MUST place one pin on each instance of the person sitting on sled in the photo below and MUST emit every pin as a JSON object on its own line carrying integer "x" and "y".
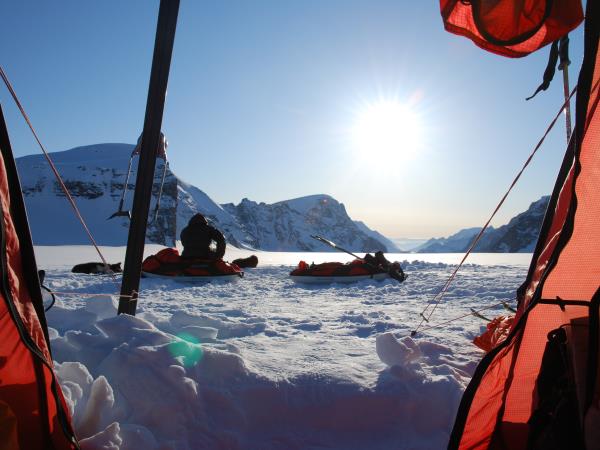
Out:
{"x": 393, "y": 269}
{"x": 197, "y": 238}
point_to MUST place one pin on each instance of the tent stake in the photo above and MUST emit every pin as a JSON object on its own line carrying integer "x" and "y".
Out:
{"x": 159, "y": 76}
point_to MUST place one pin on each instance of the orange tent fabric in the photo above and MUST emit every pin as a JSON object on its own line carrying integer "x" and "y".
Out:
{"x": 29, "y": 390}
{"x": 562, "y": 289}
{"x": 8, "y": 428}
{"x": 508, "y": 27}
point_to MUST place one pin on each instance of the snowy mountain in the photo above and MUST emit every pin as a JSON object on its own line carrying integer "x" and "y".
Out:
{"x": 96, "y": 174}
{"x": 519, "y": 235}
{"x": 288, "y": 225}
{"x": 457, "y": 242}
{"x": 390, "y": 245}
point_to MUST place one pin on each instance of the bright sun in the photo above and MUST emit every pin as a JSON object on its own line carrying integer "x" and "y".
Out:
{"x": 387, "y": 128}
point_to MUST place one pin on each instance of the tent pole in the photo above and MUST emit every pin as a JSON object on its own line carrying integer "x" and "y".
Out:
{"x": 159, "y": 76}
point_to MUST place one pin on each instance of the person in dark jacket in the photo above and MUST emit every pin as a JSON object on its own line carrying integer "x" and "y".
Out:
{"x": 197, "y": 237}
{"x": 392, "y": 268}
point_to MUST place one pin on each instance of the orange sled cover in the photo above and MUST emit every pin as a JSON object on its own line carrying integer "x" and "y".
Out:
{"x": 169, "y": 262}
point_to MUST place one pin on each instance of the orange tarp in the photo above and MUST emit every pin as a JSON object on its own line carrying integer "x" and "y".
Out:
{"x": 508, "y": 27}
{"x": 497, "y": 331}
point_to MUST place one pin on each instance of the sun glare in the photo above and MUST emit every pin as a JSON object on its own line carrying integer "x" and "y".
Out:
{"x": 389, "y": 129}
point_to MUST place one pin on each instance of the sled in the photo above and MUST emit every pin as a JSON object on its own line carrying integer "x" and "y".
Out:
{"x": 316, "y": 279}
{"x": 336, "y": 272}
{"x": 168, "y": 264}
{"x": 224, "y": 278}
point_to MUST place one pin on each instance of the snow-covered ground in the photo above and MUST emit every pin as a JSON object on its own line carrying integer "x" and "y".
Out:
{"x": 265, "y": 363}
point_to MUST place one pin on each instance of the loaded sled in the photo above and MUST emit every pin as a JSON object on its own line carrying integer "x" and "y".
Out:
{"x": 337, "y": 272}
{"x": 167, "y": 263}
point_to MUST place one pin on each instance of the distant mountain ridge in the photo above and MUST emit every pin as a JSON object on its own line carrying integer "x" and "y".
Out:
{"x": 458, "y": 242}
{"x": 288, "y": 225}
{"x": 95, "y": 176}
{"x": 519, "y": 235}
{"x": 389, "y": 243}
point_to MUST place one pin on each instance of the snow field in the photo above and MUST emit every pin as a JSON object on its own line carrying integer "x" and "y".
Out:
{"x": 266, "y": 363}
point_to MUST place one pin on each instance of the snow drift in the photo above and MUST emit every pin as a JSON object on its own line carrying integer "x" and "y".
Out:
{"x": 267, "y": 364}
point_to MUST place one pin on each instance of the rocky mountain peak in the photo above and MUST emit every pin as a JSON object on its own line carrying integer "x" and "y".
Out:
{"x": 96, "y": 177}
{"x": 519, "y": 235}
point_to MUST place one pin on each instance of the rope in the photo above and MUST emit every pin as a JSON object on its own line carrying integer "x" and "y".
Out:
{"x": 52, "y": 166}
{"x": 472, "y": 313}
{"x": 438, "y": 297}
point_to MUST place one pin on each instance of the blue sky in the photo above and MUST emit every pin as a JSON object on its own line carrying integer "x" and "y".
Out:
{"x": 264, "y": 96}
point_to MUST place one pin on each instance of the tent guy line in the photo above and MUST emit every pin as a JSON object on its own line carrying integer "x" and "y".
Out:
{"x": 52, "y": 166}
{"x": 438, "y": 297}
{"x": 472, "y": 312}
